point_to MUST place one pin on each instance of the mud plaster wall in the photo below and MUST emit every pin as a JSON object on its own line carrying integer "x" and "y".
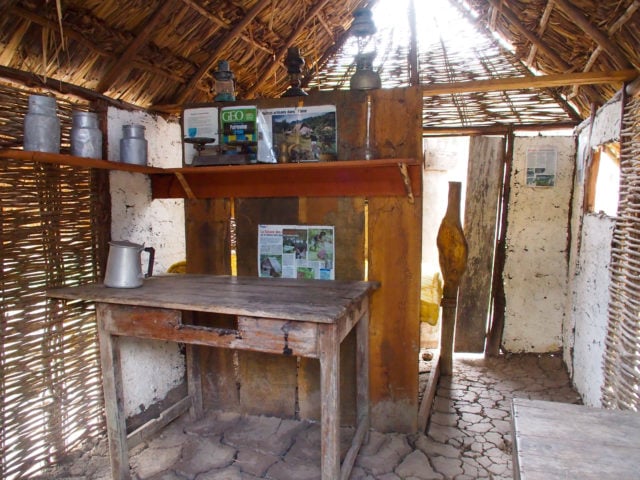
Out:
{"x": 535, "y": 274}
{"x": 586, "y": 320}
{"x": 150, "y": 368}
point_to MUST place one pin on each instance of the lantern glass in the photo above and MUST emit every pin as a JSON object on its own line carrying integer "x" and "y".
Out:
{"x": 363, "y": 28}
{"x": 224, "y": 83}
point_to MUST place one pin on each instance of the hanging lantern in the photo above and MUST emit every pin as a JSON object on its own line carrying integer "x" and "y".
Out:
{"x": 363, "y": 28}
{"x": 294, "y": 63}
{"x": 224, "y": 83}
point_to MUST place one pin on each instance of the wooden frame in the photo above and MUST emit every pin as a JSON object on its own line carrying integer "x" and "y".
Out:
{"x": 287, "y": 317}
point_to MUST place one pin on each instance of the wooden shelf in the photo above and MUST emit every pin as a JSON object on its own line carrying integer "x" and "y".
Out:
{"x": 380, "y": 177}
{"x": 70, "y": 160}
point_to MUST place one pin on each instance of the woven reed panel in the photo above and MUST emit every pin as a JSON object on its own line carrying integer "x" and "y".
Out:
{"x": 621, "y": 387}
{"x": 50, "y": 384}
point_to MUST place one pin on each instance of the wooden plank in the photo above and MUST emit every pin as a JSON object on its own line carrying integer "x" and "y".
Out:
{"x": 256, "y": 395}
{"x": 208, "y": 243}
{"x": 347, "y": 216}
{"x": 538, "y": 81}
{"x": 395, "y": 256}
{"x": 318, "y": 179}
{"x": 278, "y": 336}
{"x": 152, "y": 427}
{"x": 318, "y": 301}
{"x": 556, "y": 440}
{"x": 113, "y": 396}
{"x": 429, "y": 394}
{"x": 484, "y": 183}
{"x": 330, "y": 410}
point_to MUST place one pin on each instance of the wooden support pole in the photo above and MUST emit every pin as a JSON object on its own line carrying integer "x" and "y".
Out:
{"x": 452, "y": 249}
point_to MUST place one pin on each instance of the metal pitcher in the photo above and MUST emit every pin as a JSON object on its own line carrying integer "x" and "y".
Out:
{"x": 124, "y": 268}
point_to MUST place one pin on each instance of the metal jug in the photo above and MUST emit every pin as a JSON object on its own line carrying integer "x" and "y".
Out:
{"x": 124, "y": 264}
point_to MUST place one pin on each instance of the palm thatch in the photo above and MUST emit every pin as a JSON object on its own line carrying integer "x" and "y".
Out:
{"x": 162, "y": 54}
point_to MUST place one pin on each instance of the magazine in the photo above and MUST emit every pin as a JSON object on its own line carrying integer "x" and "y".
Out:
{"x": 296, "y": 251}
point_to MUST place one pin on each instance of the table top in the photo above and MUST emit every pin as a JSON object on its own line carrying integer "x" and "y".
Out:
{"x": 565, "y": 441}
{"x": 320, "y": 301}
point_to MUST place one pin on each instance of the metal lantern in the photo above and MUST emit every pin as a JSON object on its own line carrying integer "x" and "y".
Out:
{"x": 294, "y": 63}
{"x": 224, "y": 86}
{"x": 363, "y": 28}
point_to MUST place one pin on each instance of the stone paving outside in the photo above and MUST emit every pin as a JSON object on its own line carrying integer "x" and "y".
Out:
{"x": 468, "y": 436}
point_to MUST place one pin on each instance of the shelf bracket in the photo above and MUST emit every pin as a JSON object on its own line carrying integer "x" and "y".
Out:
{"x": 404, "y": 173}
{"x": 185, "y": 185}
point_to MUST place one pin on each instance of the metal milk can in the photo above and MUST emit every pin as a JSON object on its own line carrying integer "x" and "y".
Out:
{"x": 133, "y": 145}
{"x": 124, "y": 264}
{"x": 86, "y": 137}
{"x": 42, "y": 125}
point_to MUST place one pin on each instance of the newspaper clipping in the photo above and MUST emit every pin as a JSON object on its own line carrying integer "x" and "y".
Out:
{"x": 296, "y": 251}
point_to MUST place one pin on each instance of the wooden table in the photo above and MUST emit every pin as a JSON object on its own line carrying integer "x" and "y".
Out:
{"x": 565, "y": 441}
{"x": 307, "y": 318}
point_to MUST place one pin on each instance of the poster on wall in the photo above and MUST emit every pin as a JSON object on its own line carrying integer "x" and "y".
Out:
{"x": 541, "y": 167}
{"x": 296, "y": 251}
{"x": 298, "y": 134}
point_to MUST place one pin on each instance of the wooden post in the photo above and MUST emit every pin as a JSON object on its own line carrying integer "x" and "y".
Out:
{"x": 452, "y": 249}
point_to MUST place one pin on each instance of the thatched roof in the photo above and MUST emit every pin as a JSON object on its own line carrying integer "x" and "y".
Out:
{"x": 161, "y": 53}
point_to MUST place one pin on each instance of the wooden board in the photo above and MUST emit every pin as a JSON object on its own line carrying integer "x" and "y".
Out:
{"x": 347, "y": 216}
{"x": 207, "y": 232}
{"x": 395, "y": 255}
{"x": 484, "y": 183}
{"x": 557, "y": 441}
{"x": 255, "y": 367}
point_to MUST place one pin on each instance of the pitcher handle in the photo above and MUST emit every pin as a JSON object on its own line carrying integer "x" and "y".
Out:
{"x": 152, "y": 255}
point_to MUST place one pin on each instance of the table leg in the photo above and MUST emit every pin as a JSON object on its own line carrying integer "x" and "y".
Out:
{"x": 329, "y": 344}
{"x": 113, "y": 396}
{"x": 194, "y": 380}
{"x": 362, "y": 372}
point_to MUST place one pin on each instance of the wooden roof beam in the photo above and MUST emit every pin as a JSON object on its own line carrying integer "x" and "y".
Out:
{"x": 596, "y": 35}
{"x": 544, "y": 21}
{"x": 124, "y": 63}
{"x": 71, "y": 33}
{"x": 542, "y": 81}
{"x": 231, "y": 36}
{"x": 222, "y": 24}
{"x": 534, "y": 39}
{"x": 263, "y": 77}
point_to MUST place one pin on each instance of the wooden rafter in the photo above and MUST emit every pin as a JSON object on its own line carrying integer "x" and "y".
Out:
{"x": 533, "y": 38}
{"x": 624, "y": 18}
{"x": 544, "y": 21}
{"x": 32, "y": 80}
{"x": 123, "y": 64}
{"x": 97, "y": 49}
{"x": 596, "y": 35}
{"x": 517, "y": 62}
{"x": 222, "y": 24}
{"x": 283, "y": 50}
{"x": 231, "y": 37}
{"x": 542, "y": 81}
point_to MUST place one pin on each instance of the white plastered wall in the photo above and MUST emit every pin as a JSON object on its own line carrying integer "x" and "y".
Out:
{"x": 586, "y": 319}
{"x": 151, "y": 369}
{"x": 535, "y": 270}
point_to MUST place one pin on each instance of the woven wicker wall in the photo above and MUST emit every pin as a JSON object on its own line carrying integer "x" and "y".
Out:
{"x": 622, "y": 357}
{"x": 50, "y": 388}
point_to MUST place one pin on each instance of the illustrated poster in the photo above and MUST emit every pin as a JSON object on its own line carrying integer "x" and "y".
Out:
{"x": 296, "y": 251}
